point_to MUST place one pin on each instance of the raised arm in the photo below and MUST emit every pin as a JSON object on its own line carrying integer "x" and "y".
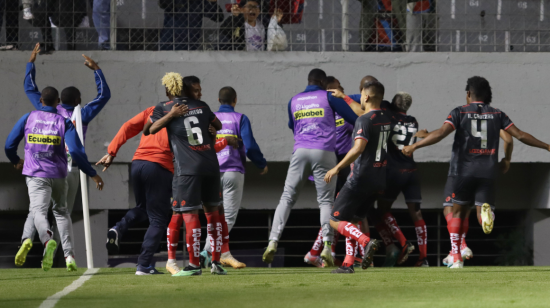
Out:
{"x": 353, "y": 101}
{"x": 30, "y": 85}
{"x": 92, "y": 109}
{"x": 433, "y": 138}
{"x": 526, "y": 138}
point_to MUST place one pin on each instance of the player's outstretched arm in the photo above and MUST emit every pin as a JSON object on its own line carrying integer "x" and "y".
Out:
{"x": 527, "y": 138}
{"x": 355, "y": 106}
{"x": 353, "y": 154}
{"x": 30, "y": 84}
{"x": 433, "y": 138}
{"x": 176, "y": 112}
{"x": 508, "y": 149}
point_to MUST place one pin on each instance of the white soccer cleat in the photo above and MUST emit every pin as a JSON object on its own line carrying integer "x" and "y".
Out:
{"x": 487, "y": 221}
{"x": 27, "y": 14}
{"x": 457, "y": 264}
{"x": 313, "y": 260}
{"x": 270, "y": 251}
{"x": 467, "y": 253}
{"x": 448, "y": 261}
{"x": 172, "y": 267}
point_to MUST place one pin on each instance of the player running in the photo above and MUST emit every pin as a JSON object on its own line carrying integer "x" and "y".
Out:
{"x": 312, "y": 119}
{"x": 197, "y": 172}
{"x": 474, "y": 163}
{"x": 70, "y": 98}
{"x": 231, "y": 160}
{"x": 368, "y": 176}
{"x": 45, "y": 166}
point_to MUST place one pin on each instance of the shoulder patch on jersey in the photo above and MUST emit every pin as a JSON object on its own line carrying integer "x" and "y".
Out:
{"x": 373, "y": 116}
{"x": 450, "y": 117}
{"x": 360, "y": 131}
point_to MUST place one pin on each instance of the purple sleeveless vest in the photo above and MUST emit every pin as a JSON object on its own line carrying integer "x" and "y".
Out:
{"x": 45, "y": 155}
{"x": 229, "y": 158}
{"x": 343, "y": 135}
{"x": 68, "y": 114}
{"x": 314, "y": 126}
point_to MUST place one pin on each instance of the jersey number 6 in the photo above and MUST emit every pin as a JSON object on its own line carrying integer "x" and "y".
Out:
{"x": 191, "y": 131}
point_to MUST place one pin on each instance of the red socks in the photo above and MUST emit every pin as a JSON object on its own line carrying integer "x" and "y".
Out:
{"x": 214, "y": 229}
{"x": 422, "y": 238}
{"x": 193, "y": 237}
{"x": 225, "y": 234}
{"x": 385, "y": 233}
{"x": 465, "y": 227}
{"x": 454, "y": 227}
{"x": 173, "y": 235}
{"x": 351, "y": 246}
{"x": 347, "y": 229}
{"x": 395, "y": 230}
{"x": 318, "y": 244}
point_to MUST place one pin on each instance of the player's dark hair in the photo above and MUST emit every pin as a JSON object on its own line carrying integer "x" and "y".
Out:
{"x": 480, "y": 89}
{"x": 70, "y": 96}
{"x": 50, "y": 96}
{"x": 316, "y": 76}
{"x": 375, "y": 86}
{"x": 189, "y": 81}
{"x": 329, "y": 82}
{"x": 365, "y": 80}
{"x": 244, "y": 2}
{"x": 227, "y": 95}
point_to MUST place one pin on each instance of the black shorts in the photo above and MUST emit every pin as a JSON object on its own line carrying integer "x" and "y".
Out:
{"x": 190, "y": 192}
{"x": 406, "y": 181}
{"x": 470, "y": 190}
{"x": 353, "y": 203}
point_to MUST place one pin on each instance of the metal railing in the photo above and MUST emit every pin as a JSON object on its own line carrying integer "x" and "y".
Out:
{"x": 307, "y": 25}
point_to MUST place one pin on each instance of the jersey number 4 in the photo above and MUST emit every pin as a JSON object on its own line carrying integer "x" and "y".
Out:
{"x": 192, "y": 131}
{"x": 480, "y": 134}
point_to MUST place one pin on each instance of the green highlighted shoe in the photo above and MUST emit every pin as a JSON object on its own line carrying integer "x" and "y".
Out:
{"x": 205, "y": 259}
{"x": 217, "y": 269}
{"x": 71, "y": 264}
{"x": 270, "y": 251}
{"x": 47, "y": 259}
{"x": 189, "y": 270}
{"x": 21, "y": 255}
{"x": 326, "y": 254}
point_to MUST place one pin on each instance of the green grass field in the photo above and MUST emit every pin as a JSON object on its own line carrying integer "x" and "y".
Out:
{"x": 287, "y": 287}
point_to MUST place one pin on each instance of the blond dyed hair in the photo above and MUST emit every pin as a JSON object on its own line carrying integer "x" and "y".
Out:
{"x": 173, "y": 83}
{"x": 402, "y": 100}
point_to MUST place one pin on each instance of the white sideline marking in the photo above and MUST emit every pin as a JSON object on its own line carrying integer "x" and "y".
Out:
{"x": 51, "y": 301}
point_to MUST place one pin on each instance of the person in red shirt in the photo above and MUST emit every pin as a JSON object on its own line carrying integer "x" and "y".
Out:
{"x": 152, "y": 173}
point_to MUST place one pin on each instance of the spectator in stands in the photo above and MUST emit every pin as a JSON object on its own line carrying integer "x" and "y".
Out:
{"x": 420, "y": 26}
{"x": 10, "y": 9}
{"x": 68, "y": 14}
{"x": 183, "y": 22}
{"x": 101, "y": 15}
{"x": 382, "y": 25}
{"x": 42, "y": 11}
{"x": 245, "y": 29}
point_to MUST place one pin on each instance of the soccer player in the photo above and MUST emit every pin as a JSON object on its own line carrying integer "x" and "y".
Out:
{"x": 474, "y": 163}
{"x": 368, "y": 177}
{"x": 465, "y": 251}
{"x": 231, "y": 162}
{"x": 70, "y": 98}
{"x": 402, "y": 177}
{"x": 312, "y": 119}
{"x": 197, "y": 172}
{"x": 343, "y": 145}
{"x": 45, "y": 166}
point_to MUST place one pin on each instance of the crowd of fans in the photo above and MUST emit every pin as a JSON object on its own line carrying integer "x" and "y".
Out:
{"x": 252, "y": 25}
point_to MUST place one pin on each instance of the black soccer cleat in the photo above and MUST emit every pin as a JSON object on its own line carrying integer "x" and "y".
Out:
{"x": 343, "y": 270}
{"x": 404, "y": 254}
{"x": 370, "y": 250}
{"x": 112, "y": 241}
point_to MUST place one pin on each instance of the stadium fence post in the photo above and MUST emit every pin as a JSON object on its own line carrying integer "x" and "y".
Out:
{"x": 113, "y": 25}
{"x": 345, "y": 21}
{"x": 84, "y": 191}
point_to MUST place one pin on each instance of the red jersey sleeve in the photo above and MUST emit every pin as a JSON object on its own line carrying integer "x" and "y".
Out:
{"x": 129, "y": 130}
